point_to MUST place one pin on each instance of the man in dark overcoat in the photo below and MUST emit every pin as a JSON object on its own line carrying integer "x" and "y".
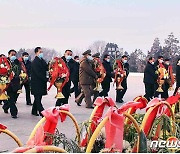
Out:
{"x": 108, "y": 78}
{"x": 150, "y": 78}
{"x": 38, "y": 81}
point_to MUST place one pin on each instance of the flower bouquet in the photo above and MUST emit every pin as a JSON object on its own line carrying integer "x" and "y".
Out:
{"x": 59, "y": 75}
{"x": 23, "y": 75}
{"x": 101, "y": 72}
{"x": 6, "y": 76}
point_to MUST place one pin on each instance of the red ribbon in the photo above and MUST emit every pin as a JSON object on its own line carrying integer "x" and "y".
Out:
{"x": 51, "y": 115}
{"x": 101, "y": 103}
{"x": 114, "y": 129}
{"x": 133, "y": 104}
{"x": 2, "y": 127}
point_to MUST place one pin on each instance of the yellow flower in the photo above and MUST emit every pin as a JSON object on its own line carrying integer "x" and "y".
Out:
{"x": 3, "y": 78}
{"x": 2, "y": 65}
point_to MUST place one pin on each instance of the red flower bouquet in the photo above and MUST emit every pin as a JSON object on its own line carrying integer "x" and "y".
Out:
{"x": 6, "y": 76}
{"x": 59, "y": 75}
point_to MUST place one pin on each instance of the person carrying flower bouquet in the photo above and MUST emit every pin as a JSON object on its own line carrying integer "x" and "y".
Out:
{"x": 14, "y": 85}
{"x": 66, "y": 89}
{"x": 27, "y": 64}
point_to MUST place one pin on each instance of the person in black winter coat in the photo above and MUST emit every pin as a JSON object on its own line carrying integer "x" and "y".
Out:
{"x": 14, "y": 85}
{"x": 38, "y": 81}
{"x": 108, "y": 78}
{"x": 66, "y": 89}
{"x": 177, "y": 76}
{"x": 75, "y": 79}
{"x": 149, "y": 79}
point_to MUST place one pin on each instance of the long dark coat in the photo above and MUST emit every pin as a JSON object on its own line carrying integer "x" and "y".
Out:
{"x": 109, "y": 71}
{"x": 149, "y": 74}
{"x": 38, "y": 77}
{"x": 177, "y": 76}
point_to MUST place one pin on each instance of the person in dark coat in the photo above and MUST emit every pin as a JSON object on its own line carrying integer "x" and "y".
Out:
{"x": 27, "y": 64}
{"x": 14, "y": 85}
{"x": 108, "y": 78}
{"x": 38, "y": 81}
{"x": 149, "y": 79}
{"x": 177, "y": 76}
{"x": 75, "y": 79}
{"x": 66, "y": 89}
{"x": 120, "y": 93}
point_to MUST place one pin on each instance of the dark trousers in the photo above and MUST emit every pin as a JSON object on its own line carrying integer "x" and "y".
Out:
{"x": 120, "y": 93}
{"x": 66, "y": 93}
{"x": 76, "y": 89}
{"x": 106, "y": 88}
{"x": 149, "y": 91}
{"x": 10, "y": 103}
{"x": 28, "y": 91}
{"x": 165, "y": 94}
{"x": 37, "y": 105}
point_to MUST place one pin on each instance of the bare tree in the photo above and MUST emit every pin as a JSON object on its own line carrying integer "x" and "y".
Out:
{"x": 98, "y": 46}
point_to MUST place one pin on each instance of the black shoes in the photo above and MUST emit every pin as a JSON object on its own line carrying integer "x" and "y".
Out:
{"x": 35, "y": 114}
{"x": 5, "y": 111}
{"x": 120, "y": 101}
{"x": 91, "y": 107}
{"x": 14, "y": 117}
{"x": 78, "y": 104}
{"x": 29, "y": 104}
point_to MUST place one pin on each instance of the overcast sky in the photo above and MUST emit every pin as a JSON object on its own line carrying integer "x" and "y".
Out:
{"x": 75, "y": 24}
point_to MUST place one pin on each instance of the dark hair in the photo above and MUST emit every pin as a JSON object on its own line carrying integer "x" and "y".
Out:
{"x": 124, "y": 56}
{"x": 68, "y": 50}
{"x": 1, "y": 55}
{"x": 25, "y": 53}
{"x": 150, "y": 58}
{"x": 105, "y": 56}
{"x": 37, "y": 49}
{"x": 12, "y": 50}
{"x": 167, "y": 59}
{"x": 76, "y": 57}
{"x": 159, "y": 57}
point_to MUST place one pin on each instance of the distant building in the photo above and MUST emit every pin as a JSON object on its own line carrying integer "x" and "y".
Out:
{"x": 112, "y": 50}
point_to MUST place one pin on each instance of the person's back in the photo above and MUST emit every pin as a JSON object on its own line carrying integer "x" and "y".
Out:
{"x": 86, "y": 73}
{"x": 149, "y": 74}
{"x": 38, "y": 76}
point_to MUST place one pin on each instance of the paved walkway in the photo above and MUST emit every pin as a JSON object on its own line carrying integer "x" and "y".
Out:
{"x": 23, "y": 126}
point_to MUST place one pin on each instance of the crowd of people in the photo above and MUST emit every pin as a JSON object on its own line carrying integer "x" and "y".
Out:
{"x": 159, "y": 78}
{"x": 89, "y": 77}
